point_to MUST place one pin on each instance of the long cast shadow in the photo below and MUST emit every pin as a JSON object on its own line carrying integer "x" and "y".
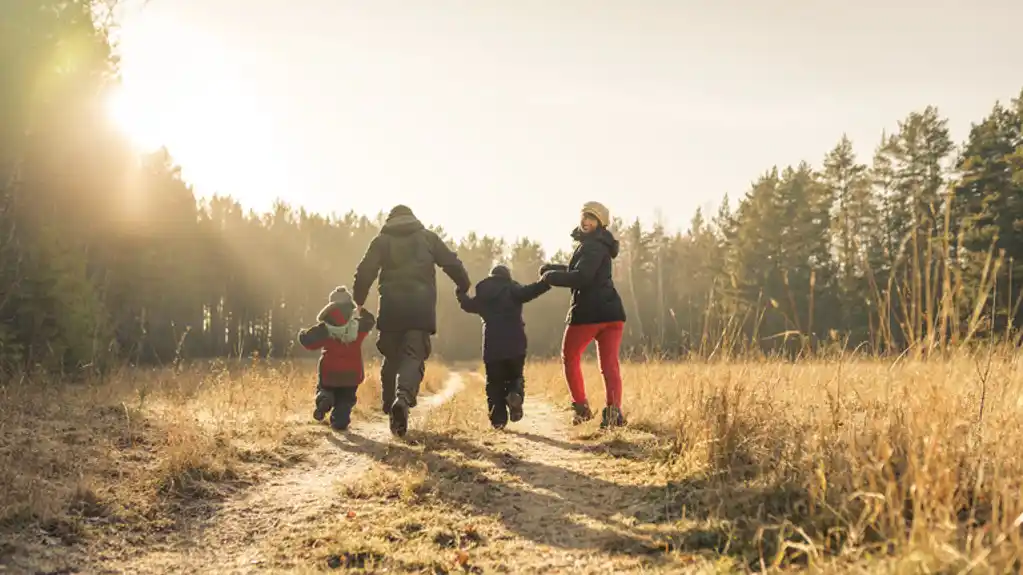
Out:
{"x": 615, "y": 447}
{"x": 545, "y": 515}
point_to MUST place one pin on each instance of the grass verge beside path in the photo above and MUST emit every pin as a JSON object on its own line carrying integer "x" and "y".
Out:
{"x": 131, "y": 459}
{"x": 902, "y": 465}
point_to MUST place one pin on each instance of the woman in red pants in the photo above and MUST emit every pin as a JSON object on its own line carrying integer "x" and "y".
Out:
{"x": 596, "y": 312}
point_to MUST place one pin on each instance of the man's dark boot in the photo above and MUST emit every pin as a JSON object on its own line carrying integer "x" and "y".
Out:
{"x": 389, "y": 395}
{"x": 611, "y": 417}
{"x": 388, "y": 385}
{"x": 399, "y": 417}
{"x": 514, "y": 399}
{"x": 582, "y": 413}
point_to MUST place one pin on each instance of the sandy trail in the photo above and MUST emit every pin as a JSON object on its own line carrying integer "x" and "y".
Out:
{"x": 538, "y": 497}
{"x": 567, "y": 504}
{"x": 231, "y": 540}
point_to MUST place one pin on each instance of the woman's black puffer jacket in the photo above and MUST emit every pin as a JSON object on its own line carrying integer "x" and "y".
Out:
{"x": 588, "y": 275}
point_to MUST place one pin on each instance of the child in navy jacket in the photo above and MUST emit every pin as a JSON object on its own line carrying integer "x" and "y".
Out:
{"x": 498, "y": 301}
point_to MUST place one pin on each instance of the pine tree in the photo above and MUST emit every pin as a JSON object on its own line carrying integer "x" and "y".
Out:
{"x": 854, "y": 219}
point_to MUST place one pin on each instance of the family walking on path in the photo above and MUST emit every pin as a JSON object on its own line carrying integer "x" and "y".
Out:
{"x": 404, "y": 256}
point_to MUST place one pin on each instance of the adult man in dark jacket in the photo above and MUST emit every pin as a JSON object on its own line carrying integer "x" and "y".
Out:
{"x": 404, "y": 255}
{"x": 498, "y": 301}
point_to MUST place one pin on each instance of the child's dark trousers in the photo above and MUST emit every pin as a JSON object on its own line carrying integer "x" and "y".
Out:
{"x": 505, "y": 390}
{"x": 339, "y": 401}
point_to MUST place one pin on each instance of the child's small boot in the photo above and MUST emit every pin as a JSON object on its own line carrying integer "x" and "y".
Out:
{"x": 324, "y": 403}
{"x": 341, "y": 417}
{"x": 497, "y": 409}
{"x": 582, "y": 413}
{"x": 345, "y": 399}
{"x": 515, "y": 398}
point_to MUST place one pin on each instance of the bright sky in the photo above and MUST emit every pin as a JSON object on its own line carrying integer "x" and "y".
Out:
{"x": 504, "y": 117}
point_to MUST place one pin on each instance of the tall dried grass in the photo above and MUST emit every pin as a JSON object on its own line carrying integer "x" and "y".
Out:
{"x": 828, "y": 458}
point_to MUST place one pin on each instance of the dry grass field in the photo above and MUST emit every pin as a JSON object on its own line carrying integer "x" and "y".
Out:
{"x": 833, "y": 465}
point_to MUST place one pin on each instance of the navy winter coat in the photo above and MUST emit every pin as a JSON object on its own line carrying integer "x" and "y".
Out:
{"x": 498, "y": 301}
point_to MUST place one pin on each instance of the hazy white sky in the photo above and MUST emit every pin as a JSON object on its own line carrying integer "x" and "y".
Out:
{"x": 505, "y": 116}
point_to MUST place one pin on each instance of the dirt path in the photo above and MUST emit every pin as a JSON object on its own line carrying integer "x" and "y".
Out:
{"x": 569, "y": 504}
{"x": 232, "y": 540}
{"x": 539, "y": 497}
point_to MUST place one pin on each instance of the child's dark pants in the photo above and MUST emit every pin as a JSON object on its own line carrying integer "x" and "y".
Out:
{"x": 504, "y": 382}
{"x": 339, "y": 401}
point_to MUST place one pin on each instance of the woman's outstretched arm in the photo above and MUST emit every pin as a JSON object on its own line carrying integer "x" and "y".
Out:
{"x": 583, "y": 273}
{"x": 528, "y": 293}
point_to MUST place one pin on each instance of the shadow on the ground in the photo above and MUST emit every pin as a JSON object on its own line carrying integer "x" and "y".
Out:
{"x": 742, "y": 514}
{"x": 734, "y": 511}
{"x": 615, "y": 446}
{"x": 545, "y": 507}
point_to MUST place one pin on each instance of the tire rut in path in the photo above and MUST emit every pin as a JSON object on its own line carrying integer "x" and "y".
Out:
{"x": 229, "y": 542}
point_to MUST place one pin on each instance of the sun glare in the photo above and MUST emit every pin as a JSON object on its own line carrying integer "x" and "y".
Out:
{"x": 132, "y": 118}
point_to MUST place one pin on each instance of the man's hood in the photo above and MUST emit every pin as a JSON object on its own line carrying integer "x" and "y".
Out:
{"x": 402, "y": 225}
{"x": 601, "y": 235}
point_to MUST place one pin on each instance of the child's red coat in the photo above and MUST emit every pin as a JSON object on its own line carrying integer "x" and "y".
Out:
{"x": 340, "y": 363}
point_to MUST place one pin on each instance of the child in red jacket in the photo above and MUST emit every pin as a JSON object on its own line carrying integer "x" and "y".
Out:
{"x": 340, "y": 366}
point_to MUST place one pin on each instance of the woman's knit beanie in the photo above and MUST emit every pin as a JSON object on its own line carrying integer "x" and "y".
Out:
{"x": 597, "y": 210}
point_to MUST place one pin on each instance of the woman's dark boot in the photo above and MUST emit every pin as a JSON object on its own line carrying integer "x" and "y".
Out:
{"x": 612, "y": 416}
{"x": 582, "y": 413}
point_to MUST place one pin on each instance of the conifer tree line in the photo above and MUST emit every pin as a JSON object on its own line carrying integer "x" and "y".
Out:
{"x": 108, "y": 256}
